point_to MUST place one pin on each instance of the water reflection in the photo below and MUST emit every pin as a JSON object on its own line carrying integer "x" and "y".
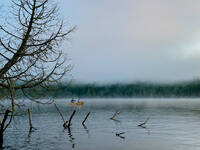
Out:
{"x": 148, "y": 131}
{"x": 115, "y": 120}
{"x": 71, "y": 138}
{"x": 87, "y": 130}
{"x": 166, "y": 124}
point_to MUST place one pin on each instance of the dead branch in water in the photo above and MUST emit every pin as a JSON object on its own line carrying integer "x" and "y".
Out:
{"x": 119, "y": 135}
{"x": 30, "y": 121}
{"x": 70, "y": 119}
{"x": 142, "y": 124}
{"x": 66, "y": 123}
{"x": 59, "y": 112}
{"x": 114, "y": 115}
{"x": 85, "y": 118}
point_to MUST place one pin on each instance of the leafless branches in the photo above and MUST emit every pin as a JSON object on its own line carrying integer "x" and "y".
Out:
{"x": 66, "y": 124}
{"x": 30, "y": 48}
{"x": 30, "y": 51}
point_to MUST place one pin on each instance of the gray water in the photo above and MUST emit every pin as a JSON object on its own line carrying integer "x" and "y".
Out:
{"x": 174, "y": 124}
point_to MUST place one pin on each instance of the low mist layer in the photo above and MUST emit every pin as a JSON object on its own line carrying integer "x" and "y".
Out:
{"x": 137, "y": 89}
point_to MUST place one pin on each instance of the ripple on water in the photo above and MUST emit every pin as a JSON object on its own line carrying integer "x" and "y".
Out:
{"x": 174, "y": 124}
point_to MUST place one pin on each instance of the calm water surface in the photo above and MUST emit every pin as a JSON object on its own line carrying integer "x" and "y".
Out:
{"x": 174, "y": 124}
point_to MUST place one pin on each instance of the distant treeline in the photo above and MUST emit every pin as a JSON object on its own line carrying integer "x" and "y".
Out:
{"x": 138, "y": 89}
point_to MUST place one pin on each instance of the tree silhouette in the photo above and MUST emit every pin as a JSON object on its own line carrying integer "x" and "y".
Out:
{"x": 30, "y": 47}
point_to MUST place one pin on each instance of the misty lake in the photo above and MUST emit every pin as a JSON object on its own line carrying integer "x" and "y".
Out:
{"x": 173, "y": 124}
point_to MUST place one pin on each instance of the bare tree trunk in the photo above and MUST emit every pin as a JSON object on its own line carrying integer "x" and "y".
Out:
{"x": 2, "y": 129}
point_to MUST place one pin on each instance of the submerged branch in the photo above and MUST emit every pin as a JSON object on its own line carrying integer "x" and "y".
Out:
{"x": 144, "y": 123}
{"x": 30, "y": 121}
{"x": 114, "y": 115}
{"x": 70, "y": 119}
{"x": 85, "y": 118}
{"x": 59, "y": 112}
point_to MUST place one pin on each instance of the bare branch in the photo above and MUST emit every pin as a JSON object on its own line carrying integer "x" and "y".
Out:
{"x": 30, "y": 49}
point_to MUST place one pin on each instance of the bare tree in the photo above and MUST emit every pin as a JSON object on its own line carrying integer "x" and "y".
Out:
{"x": 30, "y": 46}
{"x": 30, "y": 51}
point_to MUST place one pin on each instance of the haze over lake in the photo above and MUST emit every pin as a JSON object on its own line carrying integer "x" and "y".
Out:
{"x": 131, "y": 40}
{"x": 173, "y": 124}
{"x": 132, "y": 65}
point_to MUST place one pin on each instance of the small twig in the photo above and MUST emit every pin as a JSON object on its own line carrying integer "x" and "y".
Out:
{"x": 142, "y": 124}
{"x": 65, "y": 121}
{"x": 85, "y": 118}
{"x": 114, "y": 115}
{"x": 119, "y": 135}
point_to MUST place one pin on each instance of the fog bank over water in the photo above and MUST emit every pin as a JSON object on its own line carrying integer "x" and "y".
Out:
{"x": 173, "y": 124}
{"x": 134, "y": 40}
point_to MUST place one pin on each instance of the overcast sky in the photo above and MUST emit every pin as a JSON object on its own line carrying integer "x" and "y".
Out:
{"x": 129, "y": 40}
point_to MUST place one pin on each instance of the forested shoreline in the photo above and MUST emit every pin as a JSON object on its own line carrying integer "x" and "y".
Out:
{"x": 137, "y": 89}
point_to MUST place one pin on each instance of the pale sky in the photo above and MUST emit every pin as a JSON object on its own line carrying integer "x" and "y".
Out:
{"x": 133, "y": 40}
